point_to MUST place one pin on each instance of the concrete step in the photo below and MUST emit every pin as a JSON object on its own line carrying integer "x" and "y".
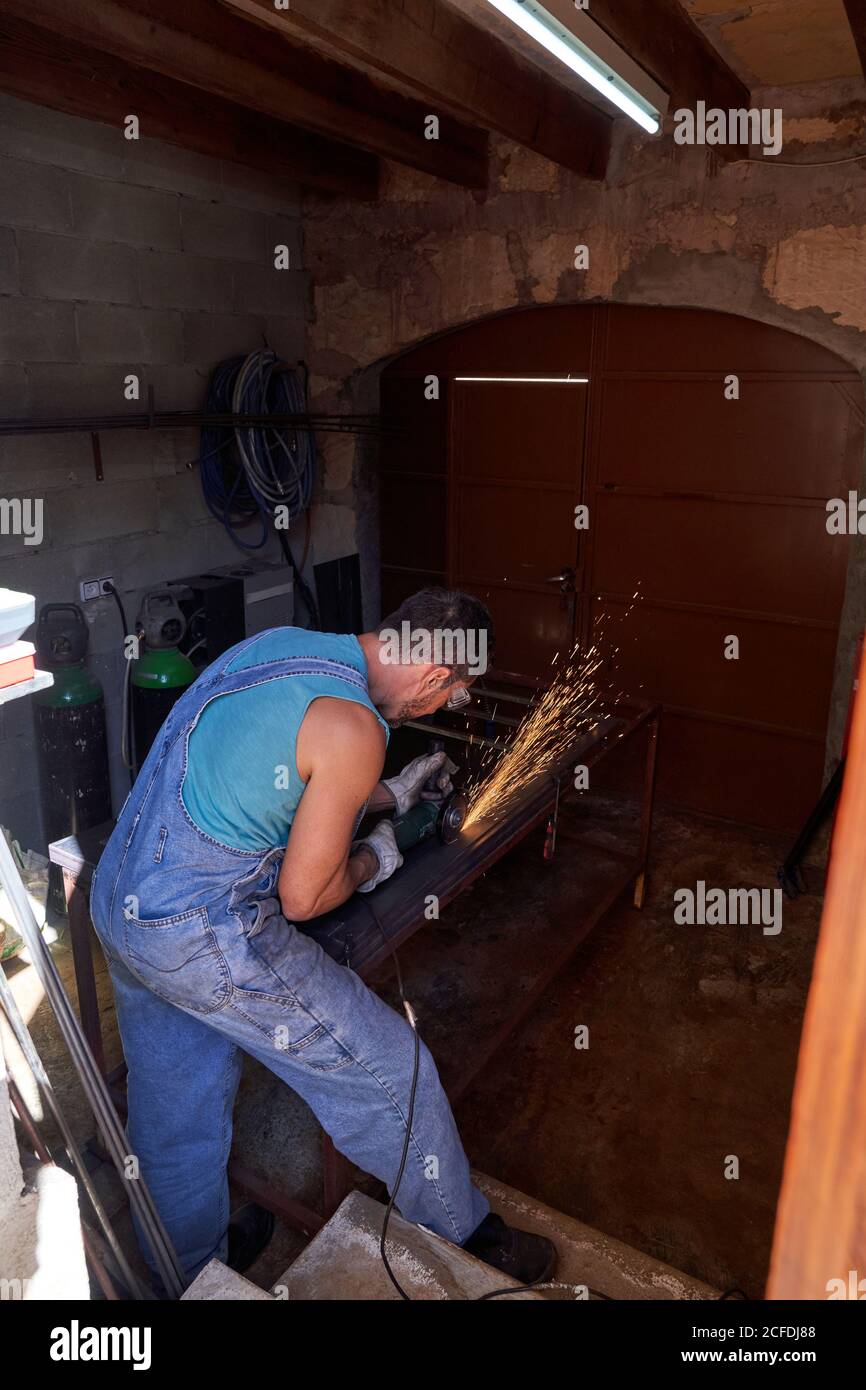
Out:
{"x": 216, "y": 1283}
{"x": 588, "y": 1257}
{"x": 342, "y": 1262}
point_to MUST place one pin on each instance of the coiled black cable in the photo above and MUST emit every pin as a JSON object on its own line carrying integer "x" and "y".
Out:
{"x": 259, "y": 473}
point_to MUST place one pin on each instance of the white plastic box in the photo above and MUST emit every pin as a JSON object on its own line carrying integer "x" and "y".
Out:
{"x": 17, "y": 612}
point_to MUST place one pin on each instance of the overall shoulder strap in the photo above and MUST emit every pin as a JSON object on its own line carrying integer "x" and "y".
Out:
{"x": 285, "y": 666}
{"x": 305, "y": 664}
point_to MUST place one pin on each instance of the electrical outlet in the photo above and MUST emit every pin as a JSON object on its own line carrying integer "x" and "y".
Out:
{"x": 95, "y": 588}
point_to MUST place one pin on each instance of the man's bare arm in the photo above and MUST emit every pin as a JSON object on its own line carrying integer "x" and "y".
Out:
{"x": 340, "y": 752}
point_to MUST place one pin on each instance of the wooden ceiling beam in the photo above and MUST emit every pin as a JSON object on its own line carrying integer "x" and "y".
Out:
{"x": 70, "y": 77}
{"x": 434, "y": 52}
{"x": 662, "y": 39}
{"x": 210, "y": 50}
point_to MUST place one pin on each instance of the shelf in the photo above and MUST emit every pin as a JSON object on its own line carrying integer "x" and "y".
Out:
{"x": 40, "y": 680}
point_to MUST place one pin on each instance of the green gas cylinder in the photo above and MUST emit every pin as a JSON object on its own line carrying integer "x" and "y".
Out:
{"x": 162, "y": 672}
{"x": 72, "y": 747}
{"x": 74, "y": 687}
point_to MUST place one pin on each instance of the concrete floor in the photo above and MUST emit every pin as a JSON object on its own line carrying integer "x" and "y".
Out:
{"x": 693, "y": 1036}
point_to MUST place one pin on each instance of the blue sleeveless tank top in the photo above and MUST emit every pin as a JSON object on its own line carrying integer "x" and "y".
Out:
{"x": 242, "y": 785}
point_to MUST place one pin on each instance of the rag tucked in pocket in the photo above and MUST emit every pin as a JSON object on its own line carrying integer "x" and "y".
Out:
{"x": 254, "y": 899}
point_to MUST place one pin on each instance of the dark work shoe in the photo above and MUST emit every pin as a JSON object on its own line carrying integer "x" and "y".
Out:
{"x": 523, "y": 1256}
{"x": 250, "y": 1229}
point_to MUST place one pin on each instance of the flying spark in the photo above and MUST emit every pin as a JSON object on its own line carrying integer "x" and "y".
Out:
{"x": 564, "y": 711}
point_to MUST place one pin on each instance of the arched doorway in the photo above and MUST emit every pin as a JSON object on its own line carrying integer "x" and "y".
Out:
{"x": 704, "y": 447}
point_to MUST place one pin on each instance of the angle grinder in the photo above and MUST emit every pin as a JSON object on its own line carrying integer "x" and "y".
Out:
{"x": 443, "y": 819}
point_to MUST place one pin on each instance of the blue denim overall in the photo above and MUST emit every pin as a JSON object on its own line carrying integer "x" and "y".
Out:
{"x": 204, "y": 964}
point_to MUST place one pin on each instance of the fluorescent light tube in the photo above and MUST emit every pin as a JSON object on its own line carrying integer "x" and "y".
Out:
{"x": 589, "y": 62}
{"x": 533, "y": 380}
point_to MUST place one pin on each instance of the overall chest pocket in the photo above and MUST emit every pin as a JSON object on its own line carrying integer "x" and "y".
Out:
{"x": 178, "y": 958}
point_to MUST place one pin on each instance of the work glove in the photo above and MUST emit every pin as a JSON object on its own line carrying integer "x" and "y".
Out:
{"x": 409, "y": 787}
{"x": 381, "y": 841}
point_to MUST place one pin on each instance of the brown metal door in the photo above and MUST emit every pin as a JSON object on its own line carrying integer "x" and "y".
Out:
{"x": 713, "y": 508}
{"x": 516, "y": 478}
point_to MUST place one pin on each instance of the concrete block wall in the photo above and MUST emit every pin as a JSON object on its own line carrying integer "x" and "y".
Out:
{"x": 121, "y": 257}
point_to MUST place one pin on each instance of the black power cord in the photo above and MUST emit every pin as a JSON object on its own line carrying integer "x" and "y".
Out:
{"x": 300, "y": 582}
{"x": 407, "y": 1007}
{"x": 126, "y": 708}
{"x": 392, "y": 1197}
